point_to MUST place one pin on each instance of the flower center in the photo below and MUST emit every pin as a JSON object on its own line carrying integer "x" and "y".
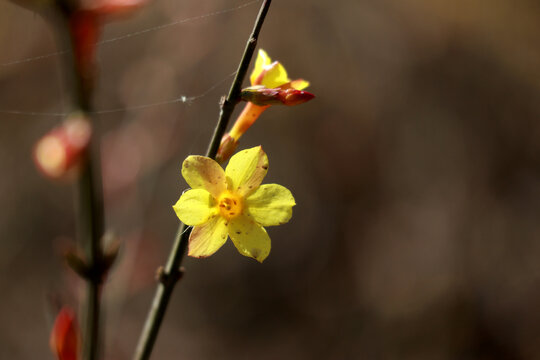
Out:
{"x": 230, "y": 205}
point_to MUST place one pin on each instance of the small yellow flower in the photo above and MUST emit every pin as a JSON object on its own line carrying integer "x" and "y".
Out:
{"x": 265, "y": 75}
{"x": 232, "y": 203}
{"x": 272, "y": 75}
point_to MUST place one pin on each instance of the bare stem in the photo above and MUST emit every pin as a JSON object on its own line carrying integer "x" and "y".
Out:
{"x": 89, "y": 203}
{"x": 170, "y": 274}
{"x": 90, "y": 208}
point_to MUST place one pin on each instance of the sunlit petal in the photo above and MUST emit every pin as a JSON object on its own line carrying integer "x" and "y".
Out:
{"x": 269, "y": 205}
{"x": 275, "y": 76}
{"x": 249, "y": 238}
{"x": 299, "y": 84}
{"x": 246, "y": 170}
{"x": 206, "y": 239}
{"x": 201, "y": 172}
{"x": 195, "y": 207}
{"x": 262, "y": 60}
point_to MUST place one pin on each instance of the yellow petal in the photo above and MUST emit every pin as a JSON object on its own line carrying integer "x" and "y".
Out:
{"x": 201, "y": 172}
{"x": 206, "y": 239}
{"x": 249, "y": 238}
{"x": 246, "y": 170}
{"x": 275, "y": 76}
{"x": 195, "y": 207}
{"x": 270, "y": 204}
{"x": 299, "y": 84}
{"x": 262, "y": 60}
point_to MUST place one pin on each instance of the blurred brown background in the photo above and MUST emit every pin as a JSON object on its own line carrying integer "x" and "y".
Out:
{"x": 416, "y": 172}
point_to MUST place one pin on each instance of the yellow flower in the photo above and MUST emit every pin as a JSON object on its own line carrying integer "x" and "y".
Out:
{"x": 232, "y": 203}
{"x": 272, "y": 74}
{"x": 265, "y": 75}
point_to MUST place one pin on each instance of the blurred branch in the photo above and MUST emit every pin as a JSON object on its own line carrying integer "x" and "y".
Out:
{"x": 171, "y": 273}
{"x": 89, "y": 203}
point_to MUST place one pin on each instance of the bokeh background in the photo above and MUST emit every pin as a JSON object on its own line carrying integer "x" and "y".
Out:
{"x": 416, "y": 172}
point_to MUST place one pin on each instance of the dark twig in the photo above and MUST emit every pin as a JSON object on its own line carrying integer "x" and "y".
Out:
{"x": 170, "y": 274}
{"x": 89, "y": 202}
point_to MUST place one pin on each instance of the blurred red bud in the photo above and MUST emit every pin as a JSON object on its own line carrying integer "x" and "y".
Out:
{"x": 113, "y": 7}
{"x": 85, "y": 29}
{"x": 65, "y": 335}
{"x": 85, "y": 23}
{"x": 60, "y": 151}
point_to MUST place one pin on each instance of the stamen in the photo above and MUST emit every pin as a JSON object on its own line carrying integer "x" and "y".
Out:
{"x": 230, "y": 205}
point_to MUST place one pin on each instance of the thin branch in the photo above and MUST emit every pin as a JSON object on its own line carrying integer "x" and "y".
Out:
{"x": 90, "y": 213}
{"x": 171, "y": 273}
{"x": 90, "y": 206}
{"x": 89, "y": 202}
{"x": 233, "y": 98}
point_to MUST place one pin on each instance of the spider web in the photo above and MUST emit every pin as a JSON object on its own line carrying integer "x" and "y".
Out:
{"x": 186, "y": 99}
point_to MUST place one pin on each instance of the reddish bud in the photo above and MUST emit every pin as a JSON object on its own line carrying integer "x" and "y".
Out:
{"x": 262, "y": 96}
{"x": 113, "y": 7}
{"x": 60, "y": 151}
{"x": 85, "y": 25}
{"x": 64, "y": 339}
{"x": 226, "y": 149}
{"x": 291, "y": 97}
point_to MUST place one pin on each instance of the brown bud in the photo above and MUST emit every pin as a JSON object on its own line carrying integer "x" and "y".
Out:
{"x": 226, "y": 149}
{"x": 288, "y": 96}
{"x": 260, "y": 95}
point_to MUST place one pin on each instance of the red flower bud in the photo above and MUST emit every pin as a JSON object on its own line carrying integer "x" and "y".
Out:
{"x": 113, "y": 7}
{"x": 85, "y": 29}
{"x": 291, "y": 97}
{"x": 59, "y": 152}
{"x": 64, "y": 339}
{"x": 85, "y": 23}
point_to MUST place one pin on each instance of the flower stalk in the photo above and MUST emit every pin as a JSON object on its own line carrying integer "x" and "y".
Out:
{"x": 169, "y": 275}
{"x": 248, "y": 116}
